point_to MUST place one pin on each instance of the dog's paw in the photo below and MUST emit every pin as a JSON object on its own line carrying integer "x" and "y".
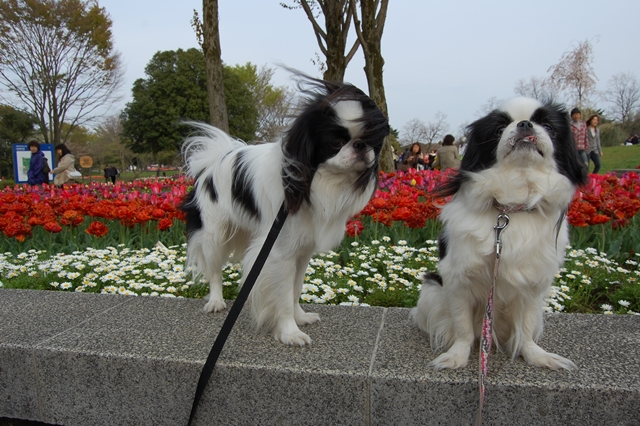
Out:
{"x": 304, "y": 318}
{"x": 449, "y": 360}
{"x": 542, "y": 358}
{"x": 215, "y": 305}
{"x": 291, "y": 336}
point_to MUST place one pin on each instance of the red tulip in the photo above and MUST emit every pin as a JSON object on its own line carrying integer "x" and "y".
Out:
{"x": 165, "y": 223}
{"x": 354, "y": 227}
{"x": 97, "y": 229}
{"x": 401, "y": 213}
{"x": 53, "y": 227}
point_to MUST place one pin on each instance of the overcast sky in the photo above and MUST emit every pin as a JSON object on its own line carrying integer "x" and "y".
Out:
{"x": 450, "y": 56}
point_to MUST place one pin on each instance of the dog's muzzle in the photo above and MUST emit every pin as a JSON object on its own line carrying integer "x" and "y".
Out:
{"x": 525, "y": 136}
{"x": 365, "y": 153}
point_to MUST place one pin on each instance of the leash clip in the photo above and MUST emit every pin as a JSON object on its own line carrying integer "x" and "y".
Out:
{"x": 501, "y": 225}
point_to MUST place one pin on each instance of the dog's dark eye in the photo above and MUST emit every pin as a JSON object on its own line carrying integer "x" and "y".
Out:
{"x": 338, "y": 143}
{"x": 547, "y": 127}
{"x": 500, "y": 130}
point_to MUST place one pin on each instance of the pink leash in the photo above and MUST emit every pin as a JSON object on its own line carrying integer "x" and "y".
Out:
{"x": 487, "y": 323}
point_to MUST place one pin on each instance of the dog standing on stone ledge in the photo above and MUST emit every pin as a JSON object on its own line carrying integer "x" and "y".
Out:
{"x": 325, "y": 169}
{"x": 521, "y": 159}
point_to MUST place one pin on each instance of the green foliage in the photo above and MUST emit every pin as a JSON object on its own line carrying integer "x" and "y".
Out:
{"x": 6, "y": 183}
{"x": 632, "y": 126}
{"x": 273, "y": 104}
{"x": 240, "y": 100}
{"x": 175, "y": 90}
{"x": 71, "y": 19}
{"x": 619, "y": 243}
{"x": 72, "y": 239}
{"x": 79, "y": 136}
{"x": 611, "y": 134}
{"x": 591, "y": 282}
{"x": 15, "y": 126}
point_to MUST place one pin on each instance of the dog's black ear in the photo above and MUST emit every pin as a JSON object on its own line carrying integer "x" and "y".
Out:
{"x": 484, "y": 137}
{"x": 480, "y": 152}
{"x": 297, "y": 168}
{"x": 304, "y": 146}
{"x": 311, "y": 139}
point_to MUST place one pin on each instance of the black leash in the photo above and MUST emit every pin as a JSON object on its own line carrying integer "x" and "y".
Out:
{"x": 234, "y": 312}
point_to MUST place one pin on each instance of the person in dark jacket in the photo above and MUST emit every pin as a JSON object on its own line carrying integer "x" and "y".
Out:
{"x": 35, "y": 175}
{"x": 110, "y": 173}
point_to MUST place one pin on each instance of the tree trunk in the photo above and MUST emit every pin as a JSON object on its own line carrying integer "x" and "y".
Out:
{"x": 336, "y": 41}
{"x": 213, "y": 64}
{"x": 377, "y": 93}
{"x": 370, "y": 35}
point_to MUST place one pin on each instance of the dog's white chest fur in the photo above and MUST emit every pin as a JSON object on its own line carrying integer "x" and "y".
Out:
{"x": 531, "y": 245}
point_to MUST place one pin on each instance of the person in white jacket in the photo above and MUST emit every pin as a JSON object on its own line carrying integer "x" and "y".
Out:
{"x": 65, "y": 165}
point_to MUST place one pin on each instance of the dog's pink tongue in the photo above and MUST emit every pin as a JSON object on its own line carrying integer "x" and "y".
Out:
{"x": 531, "y": 139}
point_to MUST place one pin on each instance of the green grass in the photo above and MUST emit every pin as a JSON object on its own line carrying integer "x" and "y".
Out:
{"x": 126, "y": 176}
{"x": 619, "y": 157}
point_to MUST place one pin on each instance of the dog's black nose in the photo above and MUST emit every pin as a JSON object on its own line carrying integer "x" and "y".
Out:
{"x": 525, "y": 124}
{"x": 359, "y": 144}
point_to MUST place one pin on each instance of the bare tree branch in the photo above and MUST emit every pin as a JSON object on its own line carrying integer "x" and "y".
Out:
{"x": 574, "y": 73}
{"x": 623, "y": 93}
{"x": 535, "y": 88}
{"x": 332, "y": 38}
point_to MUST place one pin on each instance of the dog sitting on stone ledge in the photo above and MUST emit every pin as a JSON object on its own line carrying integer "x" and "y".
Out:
{"x": 521, "y": 160}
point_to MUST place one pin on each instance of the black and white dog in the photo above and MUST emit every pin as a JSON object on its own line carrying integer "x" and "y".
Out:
{"x": 520, "y": 158}
{"x": 325, "y": 169}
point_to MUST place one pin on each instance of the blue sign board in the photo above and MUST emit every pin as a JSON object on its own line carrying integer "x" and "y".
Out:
{"x": 22, "y": 156}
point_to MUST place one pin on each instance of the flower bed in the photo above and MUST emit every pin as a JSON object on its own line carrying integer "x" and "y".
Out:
{"x": 406, "y": 199}
{"x": 90, "y": 232}
{"x": 70, "y": 218}
{"x": 362, "y": 273}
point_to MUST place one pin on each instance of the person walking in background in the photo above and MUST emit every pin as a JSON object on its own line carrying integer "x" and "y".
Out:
{"x": 579, "y": 130}
{"x": 111, "y": 174}
{"x": 594, "y": 152}
{"x": 66, "y": 162}
{"x": 35, "y": 174}
{"x": 447, "y": 157}
{"x": 106, "y": 173}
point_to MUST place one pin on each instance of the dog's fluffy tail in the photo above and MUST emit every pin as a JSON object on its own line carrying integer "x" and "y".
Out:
{"x": 205, "y": 146}
{"x": 432, "y": 315}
